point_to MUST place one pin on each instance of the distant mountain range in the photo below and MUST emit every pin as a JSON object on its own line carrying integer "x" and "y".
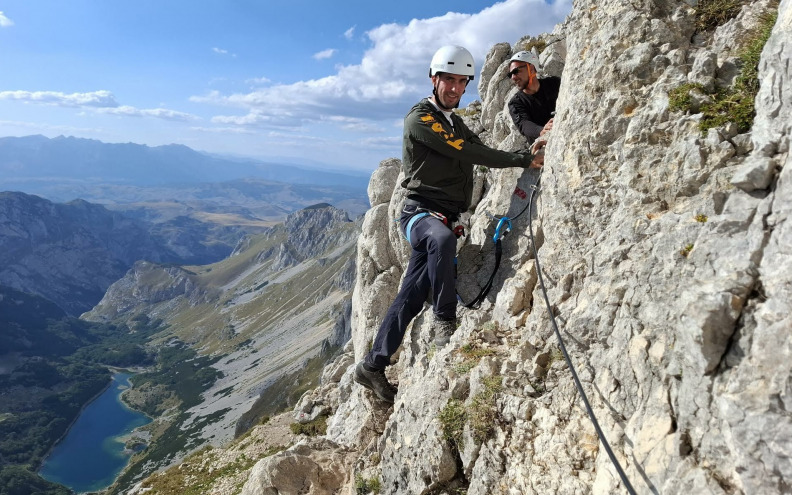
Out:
{"x": 165, "y": 182}
{"x": 34, "y": 163}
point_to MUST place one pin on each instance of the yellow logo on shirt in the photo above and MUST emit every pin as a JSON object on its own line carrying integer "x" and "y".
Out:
{"x": 438, "y": 128}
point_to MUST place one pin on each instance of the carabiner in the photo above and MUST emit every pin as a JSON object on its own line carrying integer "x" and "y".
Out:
{"x": 498, "y": 233}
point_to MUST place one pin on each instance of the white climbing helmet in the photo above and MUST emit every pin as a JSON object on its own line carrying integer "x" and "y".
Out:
{"x": 454, "y": 60}
{"x": 528, "y": 57}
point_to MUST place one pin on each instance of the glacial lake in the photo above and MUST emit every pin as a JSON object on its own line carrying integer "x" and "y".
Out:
{"x": 92, "y": 454}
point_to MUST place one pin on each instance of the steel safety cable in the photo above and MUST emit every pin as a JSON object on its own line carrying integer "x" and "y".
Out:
{"x": 589, "y": 410}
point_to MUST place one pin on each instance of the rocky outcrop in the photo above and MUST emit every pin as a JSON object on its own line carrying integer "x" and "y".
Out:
{"x": 665, "y": 252}
{"x": 147, "y": 284}
{"x": 69, "y": 253}
{"x": 311, "y": 466}
{"x": 312, "y": 233}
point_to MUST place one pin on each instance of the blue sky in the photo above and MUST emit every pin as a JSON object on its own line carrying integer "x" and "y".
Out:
{"x": 299, "y": 81}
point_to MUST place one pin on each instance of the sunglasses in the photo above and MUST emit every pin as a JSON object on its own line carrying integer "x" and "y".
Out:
{"x": 515, "y": 71}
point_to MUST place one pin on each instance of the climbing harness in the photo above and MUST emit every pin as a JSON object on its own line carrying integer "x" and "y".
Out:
{"x": 410, "y": 224}
{"x": 428, "y": 213}
{"x": 503, "y": 227}
{"x": 589, "y": 410}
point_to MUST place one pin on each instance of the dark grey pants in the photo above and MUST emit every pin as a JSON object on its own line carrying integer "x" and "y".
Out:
{"x": 431, "y": 267}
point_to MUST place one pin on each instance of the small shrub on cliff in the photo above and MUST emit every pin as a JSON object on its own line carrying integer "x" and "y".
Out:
{"x": 364, "y": 486}
{"x": 471, "y": 354}
{"x": 735, "y": 103}
{"x": 431, "y": 352}
{"x": 713, "y": 13}
{"x": 540, "y": 45}
{"x": 483, "y": 412}
{"x": 468, "y": 111}
{"x": 480, "y": 415}
{"x": 473, "y": 351}
{"x": 679, "y": 99}
{"x": 312, "y": 428}
{"x": 452, "y": 422}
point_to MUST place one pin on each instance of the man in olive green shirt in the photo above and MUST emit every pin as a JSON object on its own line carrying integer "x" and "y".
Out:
{"x": 439, "y": 154}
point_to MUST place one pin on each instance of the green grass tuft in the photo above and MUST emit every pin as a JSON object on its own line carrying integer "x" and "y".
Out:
{"x": 452, "y": 422}
{"x": 736, "y": 103}
{"x": 713, "y": 13}
{"x": 364, "y": 486}
{"x": 679, "y": 99}
{"x": 482, "y": 413}
{"x": 312, "y": 428}
{"x": 471, "y": 356}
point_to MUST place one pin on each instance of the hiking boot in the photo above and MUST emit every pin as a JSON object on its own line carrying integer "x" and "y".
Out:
{"x": 444, "y": 329}
{"x": 376, "y": 382}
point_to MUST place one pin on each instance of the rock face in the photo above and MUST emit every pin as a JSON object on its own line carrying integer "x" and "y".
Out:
{"x": 69, "y": 253}
{"x": 666, "y": 257}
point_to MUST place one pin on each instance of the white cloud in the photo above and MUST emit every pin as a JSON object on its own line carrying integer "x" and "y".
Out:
{"x": 258, "y": 81}
{"x": 393, "y": 73}
{"x": 93, "y": 99}
{"x": 98, "y": 101}
{"x": 386, "y": 143}
{"x": 256, "y": 118}
{"x": 223, "y": 52}
{"x": 5, "y": 21}
{"x": 325, "y": 54}
{"x": 157, "y": 113}
{"x": 354, "y": 124}
{"x": 252, "y": 119}
{"x": 349, "y": 33}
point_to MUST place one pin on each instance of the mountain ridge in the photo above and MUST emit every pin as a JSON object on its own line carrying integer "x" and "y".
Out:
{"x": 28, "y": 163}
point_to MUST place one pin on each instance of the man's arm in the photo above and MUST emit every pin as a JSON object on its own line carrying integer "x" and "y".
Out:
{"x": 428, "y": 130}
{"x": 520, "y": 117}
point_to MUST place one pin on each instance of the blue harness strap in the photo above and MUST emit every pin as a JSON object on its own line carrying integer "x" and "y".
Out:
{"x": 410, "y": 224}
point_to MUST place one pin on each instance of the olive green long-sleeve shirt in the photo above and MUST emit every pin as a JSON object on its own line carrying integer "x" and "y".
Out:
{"x": 438, "y": 159}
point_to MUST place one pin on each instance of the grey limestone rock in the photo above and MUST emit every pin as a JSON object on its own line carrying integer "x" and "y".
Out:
{"x": 312, "y": 466}
{"x": 383, "y": 180}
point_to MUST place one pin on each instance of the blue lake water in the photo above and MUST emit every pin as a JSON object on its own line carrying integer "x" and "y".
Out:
{"x": 92, "y": 455}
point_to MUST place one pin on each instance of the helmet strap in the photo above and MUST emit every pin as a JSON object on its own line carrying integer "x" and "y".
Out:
{"x": 531, "y": 76}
